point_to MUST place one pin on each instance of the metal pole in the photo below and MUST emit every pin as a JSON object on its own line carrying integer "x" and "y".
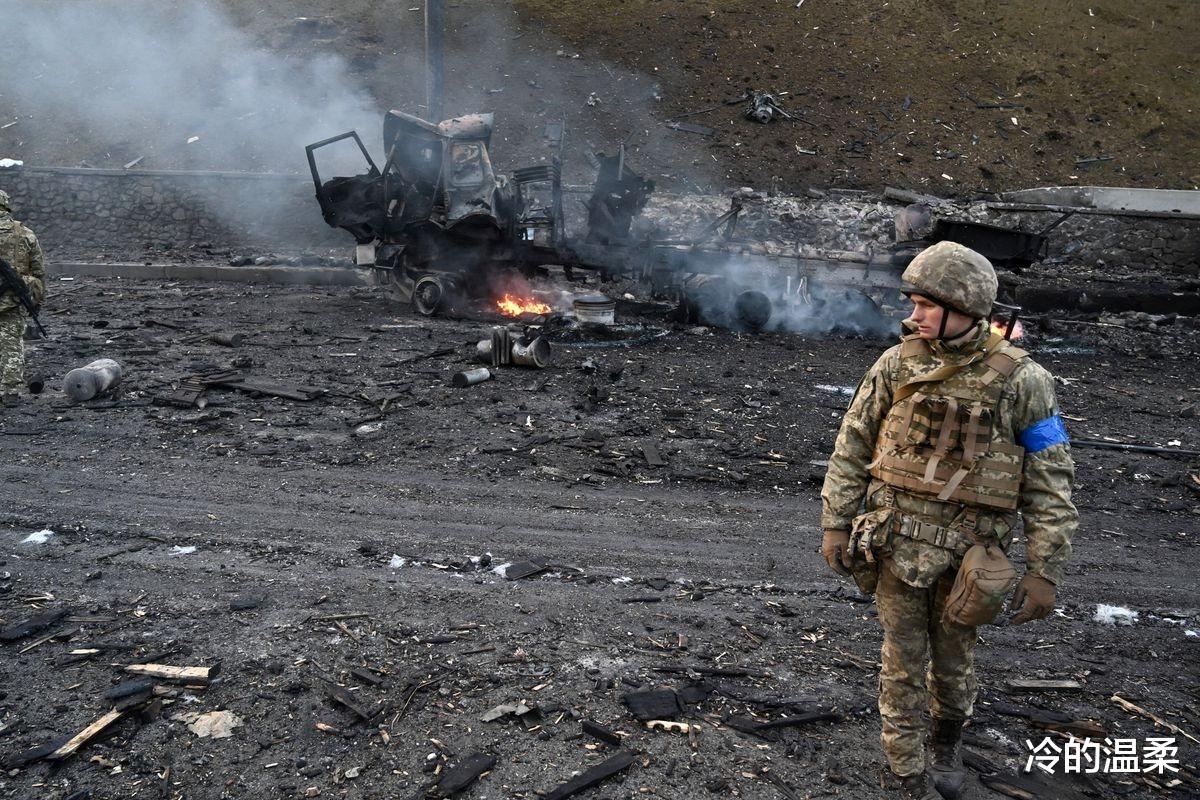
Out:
{"x": 434, "y": 26}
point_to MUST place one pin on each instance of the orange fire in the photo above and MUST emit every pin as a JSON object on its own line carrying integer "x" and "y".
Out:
{"x": 1000, "y": 327}
{"x": 516, "y": 306}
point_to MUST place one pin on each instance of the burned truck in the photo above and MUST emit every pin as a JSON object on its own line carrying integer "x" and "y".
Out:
{"x": 440, "y": 226}
{"x": 437, "y": 221}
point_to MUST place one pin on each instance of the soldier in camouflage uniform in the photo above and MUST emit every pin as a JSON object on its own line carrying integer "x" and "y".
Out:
{"x": 20, "y": 248}
{"x": 950, "y": 434}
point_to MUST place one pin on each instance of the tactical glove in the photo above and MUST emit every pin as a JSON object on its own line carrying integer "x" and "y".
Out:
{"x": 1033, "y": 599}
{"x": 835, "y": 546}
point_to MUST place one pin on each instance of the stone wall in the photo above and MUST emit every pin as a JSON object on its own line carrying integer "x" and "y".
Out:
{"x": 1105, "y": 241}
{"x": 1111, "y": 242}
{"x": 72, "y": 209}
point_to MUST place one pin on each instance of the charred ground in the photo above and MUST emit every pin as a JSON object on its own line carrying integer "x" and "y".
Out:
{"x": 708, "y": 561}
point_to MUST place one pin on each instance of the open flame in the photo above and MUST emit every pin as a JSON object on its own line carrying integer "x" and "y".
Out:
{"x": 999, "y": 326}
{"x": 513, "y": 306}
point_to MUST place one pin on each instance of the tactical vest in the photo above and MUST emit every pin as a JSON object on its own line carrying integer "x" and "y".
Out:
{"x": 940, "y": 439}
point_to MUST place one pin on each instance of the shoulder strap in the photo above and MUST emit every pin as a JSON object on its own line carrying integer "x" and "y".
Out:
{"x": 913, "y": 345}
{"x": 942, "y": 373}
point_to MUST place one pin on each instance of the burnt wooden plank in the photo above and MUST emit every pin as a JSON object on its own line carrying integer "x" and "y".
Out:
{"x": 126, "y": 688}
{"x": 30, "y": 626}
{"x": 344, "y": 697}
{"x": 600, "y": 732}
{"x": 594, "y": 776}
{"x": 459, "y": 777}
{"x": 37, "y": 753}
{"x": 657, "y": 704}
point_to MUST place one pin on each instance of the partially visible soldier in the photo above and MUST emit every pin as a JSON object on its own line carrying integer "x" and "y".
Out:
{"x": 950, "y": 434}
{"x": 20, "y": 248}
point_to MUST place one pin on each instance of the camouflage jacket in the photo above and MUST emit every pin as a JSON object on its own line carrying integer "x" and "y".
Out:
{"x": 19, "y": 247}
{"x": 1027, "y": 410}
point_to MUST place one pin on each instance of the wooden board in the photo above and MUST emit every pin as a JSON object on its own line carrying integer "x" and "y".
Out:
{"x": 177, "y": 674}
{"x": 84, "y": 736}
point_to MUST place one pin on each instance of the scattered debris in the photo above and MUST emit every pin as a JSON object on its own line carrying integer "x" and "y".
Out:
{"x": 502, "y": 348}
{"x": 600, "y": 732}
{"x": 757, "y": 727}
{"x": 688, "y": 127}
{"x": 1052, "y": 720}
{"x": 227, "y": 380}
{"x": 1157, "y": 720}
{"x": 593, "y": 777}
{"x": 226, "y": 339}
{"x": 72, "y": 745}
{"x": 1115, "y": 615}
{"x": 35, "y": 624}
{"x": 247, "y": 602}
{"x": 347, "y": 698}
{"x": 519, "y": 570}
{"x": 1140, "y": 448}
{"x": 39, "y": 537}
{"x": 92, "y": 380}
{"x": 1018, "y": 685}
{"x": 470, "y": 377}
{"x": 518, "y": 709}
{"x": 196, "y": 675}
{"x": 461, "y": 776}
{"x": 661, "y": 704}
{"x": 764, "y": 107}
{"x": 212, "y": 724}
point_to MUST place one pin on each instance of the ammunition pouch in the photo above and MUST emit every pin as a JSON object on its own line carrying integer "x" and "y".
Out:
{"x": 980, "y": 588}
{"x": 870, "y": 540}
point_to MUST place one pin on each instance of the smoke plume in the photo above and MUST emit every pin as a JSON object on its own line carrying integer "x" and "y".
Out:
{"x": 178, "y": 79}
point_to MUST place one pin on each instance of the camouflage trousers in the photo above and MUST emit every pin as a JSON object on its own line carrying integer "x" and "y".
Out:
{"x": 927, "y": 666}
{"x": 12, "y": 350}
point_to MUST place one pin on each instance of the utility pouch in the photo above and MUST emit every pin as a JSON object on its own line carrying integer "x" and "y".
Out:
{"x": 983, "y": 582}
{"x": 870, "y": 535}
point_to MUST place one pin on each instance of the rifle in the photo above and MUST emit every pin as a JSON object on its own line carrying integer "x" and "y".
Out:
{"x": 10, "y": 281}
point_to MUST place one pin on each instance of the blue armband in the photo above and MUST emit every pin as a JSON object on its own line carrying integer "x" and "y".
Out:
{"x": 1040, "y": 435}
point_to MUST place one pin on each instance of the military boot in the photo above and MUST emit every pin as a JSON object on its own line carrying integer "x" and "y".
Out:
{"x": 918, "y": 787}
{"x": 945, "y": 760}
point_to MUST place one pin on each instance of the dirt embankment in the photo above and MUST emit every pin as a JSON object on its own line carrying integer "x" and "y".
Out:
{"x": 885, "y": 93}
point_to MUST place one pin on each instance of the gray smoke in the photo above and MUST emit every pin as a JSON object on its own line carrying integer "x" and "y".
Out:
{"x": 145, "y": 77}
{"x": 740, "y": 297}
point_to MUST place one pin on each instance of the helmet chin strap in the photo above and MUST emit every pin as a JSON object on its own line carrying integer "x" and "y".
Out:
{"x": 945, "y": 318}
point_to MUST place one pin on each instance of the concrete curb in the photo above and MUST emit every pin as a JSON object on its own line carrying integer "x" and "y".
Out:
{"x": 278, "y": 276}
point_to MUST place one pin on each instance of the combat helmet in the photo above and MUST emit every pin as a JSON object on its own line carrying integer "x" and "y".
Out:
{"x": 954, "y": 277}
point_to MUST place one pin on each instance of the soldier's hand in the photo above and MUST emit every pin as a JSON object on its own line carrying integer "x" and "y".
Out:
{"x": 835, "y": 546}
{"x": 1033, "y": 599}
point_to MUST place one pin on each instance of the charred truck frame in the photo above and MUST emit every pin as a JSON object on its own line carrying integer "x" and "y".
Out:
{"x": 439, "y": 224}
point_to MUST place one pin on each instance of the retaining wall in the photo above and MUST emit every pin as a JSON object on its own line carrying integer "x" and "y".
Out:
{"x": 72, "y": 209}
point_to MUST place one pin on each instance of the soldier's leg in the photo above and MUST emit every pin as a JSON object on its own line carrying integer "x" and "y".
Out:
{"x": 12, "y": 351}
{"x": 952, "y": 695}
{"x": 904, "y": 614}
{"x": 951, "y": 678}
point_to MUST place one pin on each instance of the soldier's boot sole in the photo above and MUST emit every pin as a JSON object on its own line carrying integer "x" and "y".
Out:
{"x": 945, "y": 759}
{"x": 918, "y": 787}
{"x": 948, "y": 782}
